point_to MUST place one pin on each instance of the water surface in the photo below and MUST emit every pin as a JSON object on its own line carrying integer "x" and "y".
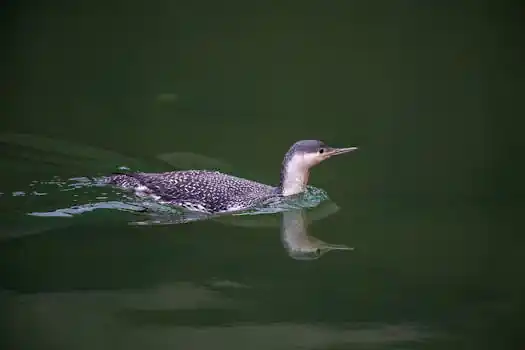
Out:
{"x": 427, "y": 204}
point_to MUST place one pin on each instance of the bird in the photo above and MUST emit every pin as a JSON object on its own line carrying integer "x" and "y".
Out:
{"x": 211, "y": 191}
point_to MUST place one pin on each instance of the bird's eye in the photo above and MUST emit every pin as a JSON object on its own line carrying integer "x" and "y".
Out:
{"x": 321, "y": 150}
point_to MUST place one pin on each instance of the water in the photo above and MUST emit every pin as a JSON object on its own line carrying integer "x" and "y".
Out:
{"x": 411, "y": 242}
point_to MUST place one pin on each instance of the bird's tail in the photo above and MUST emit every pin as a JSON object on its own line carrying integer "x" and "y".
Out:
{"x": 124, "y": 180}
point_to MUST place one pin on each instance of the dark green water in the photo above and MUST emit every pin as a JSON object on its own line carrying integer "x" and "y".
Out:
{"x": 429, "y": 93}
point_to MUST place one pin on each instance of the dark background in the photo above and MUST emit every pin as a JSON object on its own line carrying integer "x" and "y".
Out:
{"x": 431, "y": 93}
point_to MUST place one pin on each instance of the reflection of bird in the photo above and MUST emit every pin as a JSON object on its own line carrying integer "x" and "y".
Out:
{"x": 299, "y": 244}
{"x": 212, "y": 191}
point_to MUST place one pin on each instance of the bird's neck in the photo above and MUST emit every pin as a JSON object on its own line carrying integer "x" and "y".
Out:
{"x": 294, "y": 177}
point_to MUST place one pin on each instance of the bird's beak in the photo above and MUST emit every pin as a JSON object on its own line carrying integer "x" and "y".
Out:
{"x": 335, "y": 151}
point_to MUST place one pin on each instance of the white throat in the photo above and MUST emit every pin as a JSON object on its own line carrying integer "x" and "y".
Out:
{"x": 295, "y": 177}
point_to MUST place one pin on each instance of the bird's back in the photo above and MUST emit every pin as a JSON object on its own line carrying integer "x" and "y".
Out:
{"x": 202, "y": 190}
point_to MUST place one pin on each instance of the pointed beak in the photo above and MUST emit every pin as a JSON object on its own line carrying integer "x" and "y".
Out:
{"x": 336, "y": 151}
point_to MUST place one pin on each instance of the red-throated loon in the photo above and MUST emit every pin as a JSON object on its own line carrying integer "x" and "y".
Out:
{"x": 214, "y": 192}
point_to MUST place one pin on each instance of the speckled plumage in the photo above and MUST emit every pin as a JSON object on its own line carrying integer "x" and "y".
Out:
{"x": 213, "y": 191}
{"x": 200, "y": 190}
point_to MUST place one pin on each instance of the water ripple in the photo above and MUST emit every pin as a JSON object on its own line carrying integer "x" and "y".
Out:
{"x": 90, "y": 194}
